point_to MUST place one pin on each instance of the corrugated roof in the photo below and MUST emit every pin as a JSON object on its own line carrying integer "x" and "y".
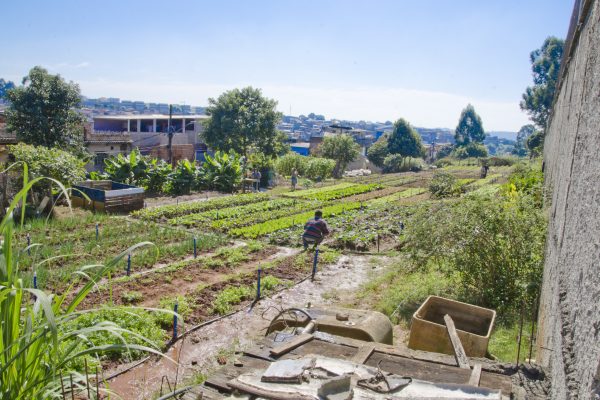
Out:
{"x": 149, "y": 116}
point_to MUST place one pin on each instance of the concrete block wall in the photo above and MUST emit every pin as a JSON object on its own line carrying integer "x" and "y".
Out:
{"x": 569, "y": 322}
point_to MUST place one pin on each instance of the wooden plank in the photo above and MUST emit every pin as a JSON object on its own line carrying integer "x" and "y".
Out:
{"x": 291, "y": 344}
{"x": 475, "y": 375}
{"x": 437, "y": 373}
{"x": 461, "y": 357}
{"x": 363, "y": 353}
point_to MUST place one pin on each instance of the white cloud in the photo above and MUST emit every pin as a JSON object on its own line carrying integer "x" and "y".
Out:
{"x": 420, "y": 108}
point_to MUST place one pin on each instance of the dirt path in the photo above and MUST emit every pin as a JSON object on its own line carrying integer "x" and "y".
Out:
{"x": 199, "y": 351}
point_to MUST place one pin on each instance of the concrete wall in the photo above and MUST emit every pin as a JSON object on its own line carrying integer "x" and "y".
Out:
{"x": 569, "y": 323}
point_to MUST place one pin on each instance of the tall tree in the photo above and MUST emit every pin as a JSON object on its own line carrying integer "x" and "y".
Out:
{"x": 43, "y": 111}
{"x": 341, "y": 148}
{"x": 5, "y": 86}
{"x": 404, "y": 140}
{"x": 470, "y": 127}
{"x": 378, "y": 151}
{"x": 242, "y": 119}
{"x": 525, "y": 132}
{"x": 545, "y": 65}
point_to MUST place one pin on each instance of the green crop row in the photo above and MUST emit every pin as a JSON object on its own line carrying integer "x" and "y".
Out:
{"x": 343, "y": 192}
{"x": 254, "y": 231}
{"x": 397, "y": 196}
{"x": 232, "y": 213}
{"x": 311, "y": 192}
{"x": 176, "y": 210}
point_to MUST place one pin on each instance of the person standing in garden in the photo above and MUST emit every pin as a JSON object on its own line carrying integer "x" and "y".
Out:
{"x": 256, "y": 175}
{"x": 315, "y": 230}
{"x": 294, "y": 179}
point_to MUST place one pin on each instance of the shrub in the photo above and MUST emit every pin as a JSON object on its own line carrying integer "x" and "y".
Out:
{"x": 309, "y": 167}
{"x": 495, "y": 245}
{"x": 222, "y": 172}
{"x": 53, "y": 163}
{"x": 444, "y": 184}
{"x": 131, "y": 169}
{"x": 470, "y": 150}
{"x": 182, "y": 178}
{"x": 501, "y": 161}
{"x": 158, "y": 176}
{"x": 398, "y": 163}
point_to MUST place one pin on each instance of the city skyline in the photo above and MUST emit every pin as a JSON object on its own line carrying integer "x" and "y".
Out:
{"x": 346, "y": 60}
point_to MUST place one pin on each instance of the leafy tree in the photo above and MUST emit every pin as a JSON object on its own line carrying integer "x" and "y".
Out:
{"x": 242, "y": 119}
{"x": 378, "y": 151}
{"x": 340, "y": 148}
{"x": 470, "y": 127}
{"x": 525, "y": 132}
{"x": 157, "y": 176}
{"x": 182, "y": 178}
{"x": 131, "y": 169}
{"x": 43, "y": 111}
{"x": 308, "y": 167}
{"x": 4, "y": 87}
{"x": 545, "y": 65}
{"x": 404, "y": 140}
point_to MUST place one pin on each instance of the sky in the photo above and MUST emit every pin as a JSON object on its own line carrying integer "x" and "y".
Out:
{"x": 372, "y": 60}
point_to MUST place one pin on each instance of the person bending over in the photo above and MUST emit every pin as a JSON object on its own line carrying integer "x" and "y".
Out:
{"x": 315, "y": 230}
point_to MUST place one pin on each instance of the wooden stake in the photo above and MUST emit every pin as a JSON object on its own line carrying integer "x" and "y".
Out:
{"x": 87, "y": 378}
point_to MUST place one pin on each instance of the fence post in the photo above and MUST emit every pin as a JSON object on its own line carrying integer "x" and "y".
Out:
{"x": 97, "y": 231}
{"x": 175, "y": 310}
{"x": 315, "y": 262}
{"x": 34, "y": 280}
{"x": 128, "y": 264}
{"x": 28, "y": 244}
{"x": 195, "y": 252}
{"x": 258, "y": 283}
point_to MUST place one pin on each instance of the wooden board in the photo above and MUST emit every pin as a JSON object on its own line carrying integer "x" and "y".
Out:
{"x": 291, "y": 344}
{"x": 363, "y": 353}
{"x": 461, "y": 357}
{"x": 475, "y": 375}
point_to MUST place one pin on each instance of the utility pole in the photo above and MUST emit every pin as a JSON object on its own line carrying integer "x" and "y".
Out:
{"x": 170, "y": 135}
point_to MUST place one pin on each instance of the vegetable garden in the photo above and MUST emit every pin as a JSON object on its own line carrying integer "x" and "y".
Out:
{"x": 205, "y": 254}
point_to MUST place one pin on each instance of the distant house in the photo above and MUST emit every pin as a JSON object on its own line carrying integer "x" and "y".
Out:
{"x": 302, "y": 148}
{"x": 148, "y": 132}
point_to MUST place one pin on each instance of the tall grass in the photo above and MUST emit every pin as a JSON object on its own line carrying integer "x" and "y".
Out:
{"x": 38, "y": 346}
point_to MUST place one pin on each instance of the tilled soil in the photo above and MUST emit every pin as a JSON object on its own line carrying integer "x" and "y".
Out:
{"x": 201, "y": 351}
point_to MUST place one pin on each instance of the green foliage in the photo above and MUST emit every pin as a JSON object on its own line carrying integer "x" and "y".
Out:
{"x": 496, "y": 246}
{"x": 131, "y": 169}
{"x": 43, "y": 112}
{"x": 399, "y": 163}
{"x": 335, "y": 192}
{"x": 340, "y": 148}
{"x": 526, "y": 179}
{"x": 444, "y": 184}
{"x": 545, "y": 65}
{"x": 378, "y": 151}
{"x": 405, "y": 141}
{"x": 184, "y": 309}
{"x": 40, "y": 337}
{"x": 182, "y": 178}
{"x": 470, "y": 128}
{"x": 309, "y": 167}
{"x": 178, "y": 210}
{"x": 132, "y": 297}
{"x": 241, "y": 119}
{"x": 157, "y": 176}
{"x": 520, "y": 149}
{"x": 503, "y": 343}
{"x": 231, "y": 296}
{"x": 222, "y": 172}
{"x": 54, "y": 163}
{"x": 470, "y": 150}
{"x": 501, "y": 161}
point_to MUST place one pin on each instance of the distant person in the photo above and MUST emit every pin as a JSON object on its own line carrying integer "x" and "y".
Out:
{"x": 294, "y": 179}
{"x": 256, "y": 175}
{"x": 315, "y": 230}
